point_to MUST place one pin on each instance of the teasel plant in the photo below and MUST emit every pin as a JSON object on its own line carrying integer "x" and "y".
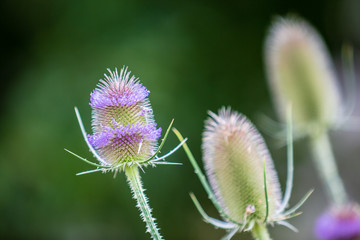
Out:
{"x": 125, "y": 136}
{"x": 300, "y": 72}
{"x": 241, "y": 179}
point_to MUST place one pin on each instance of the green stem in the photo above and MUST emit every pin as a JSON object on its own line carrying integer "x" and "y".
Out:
{"x": 134, "y": 181}
{"x": 326, "y": 166}
{"x": 260, "y": 232}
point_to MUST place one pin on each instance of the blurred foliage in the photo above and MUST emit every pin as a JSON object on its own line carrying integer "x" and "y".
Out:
{"x": 193, "y": 56}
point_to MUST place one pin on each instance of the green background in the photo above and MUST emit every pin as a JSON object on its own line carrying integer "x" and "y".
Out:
{"x": 193, "y": 56}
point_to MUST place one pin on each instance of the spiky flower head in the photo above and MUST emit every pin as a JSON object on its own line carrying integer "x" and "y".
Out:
{"x": 124, "y": 130}
{"x": 340, "y": 223}
{"x": 300, "y": 72}
{"x": 234, "y": 154}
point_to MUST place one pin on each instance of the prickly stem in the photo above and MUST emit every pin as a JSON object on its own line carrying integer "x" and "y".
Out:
{"x": 135, "y": 184}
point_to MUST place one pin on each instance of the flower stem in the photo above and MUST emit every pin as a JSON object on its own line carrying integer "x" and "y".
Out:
{"x": 260, "y": 232}
{"x": 135, "y": 184}
{"x": 326, "y": 166}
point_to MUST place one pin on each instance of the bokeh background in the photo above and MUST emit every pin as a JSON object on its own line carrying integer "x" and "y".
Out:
{"x": 193, "y": 56}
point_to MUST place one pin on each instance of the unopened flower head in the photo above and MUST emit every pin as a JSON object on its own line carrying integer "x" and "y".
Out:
{"x": 341, "y": 223}
{"x": 123, "y": 124}
{"x": 234, "y": 154}
{"x": 300, "y": 72}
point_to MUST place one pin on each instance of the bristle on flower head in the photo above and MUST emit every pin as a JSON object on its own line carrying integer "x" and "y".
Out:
{"x": 123, "y": 124}
{"x": 234, "y": 153}
{"x": 300, "y": 72}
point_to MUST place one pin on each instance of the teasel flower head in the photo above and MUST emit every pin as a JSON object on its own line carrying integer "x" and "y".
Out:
{"x": 243, "y": 183}
{"x": 123, "y": 124}
{"x": 124, "y": 130}
{"x": 300, "y": 72}
{"x": 339, "y": 223}
{"x": 234, "y": 155}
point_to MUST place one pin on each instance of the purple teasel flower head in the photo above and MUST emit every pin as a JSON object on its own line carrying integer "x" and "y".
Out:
{"x": 341, "y": 223}
{"x": 124, "y": 130}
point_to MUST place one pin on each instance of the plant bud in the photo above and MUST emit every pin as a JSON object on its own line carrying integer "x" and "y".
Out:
{"x": 234, "y": 155}
{"x": 300, "y": 72}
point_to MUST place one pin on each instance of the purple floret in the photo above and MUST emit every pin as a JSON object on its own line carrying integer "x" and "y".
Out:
{"x": 100, "y": 139}
{"x": 128, "y": 135}
{"x": 118, "y": 95}
{"x": 339, "y": 224}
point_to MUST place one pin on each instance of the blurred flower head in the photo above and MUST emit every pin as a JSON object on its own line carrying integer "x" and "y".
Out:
{"x": 300, "y": 72}
{"x": 124, "y": 130}
{"x": 341, "y": 223}
{"x": 234, "y": 155}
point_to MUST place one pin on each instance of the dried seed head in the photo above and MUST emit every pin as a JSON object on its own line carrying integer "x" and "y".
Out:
{"x": 123, "y": 124}
{"x": 300, "y": 72}
{"x": 234, "y": 154}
